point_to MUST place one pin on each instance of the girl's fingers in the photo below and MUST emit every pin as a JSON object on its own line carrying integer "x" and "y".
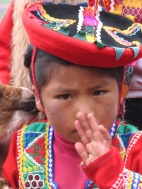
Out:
{"x": 83, "y": 121}
{"x": 88, "y": 128}
{"x": 81, "y": 132}
{"x": 97, "y": 135}
{"x": 92, "y": 122}
{"x": 100, "y": 132}
{"x": 80, "y": 148}
{"x": 85, "y": 126}
{"x": 105, "y": 132}
{"x": 95, "y": 138}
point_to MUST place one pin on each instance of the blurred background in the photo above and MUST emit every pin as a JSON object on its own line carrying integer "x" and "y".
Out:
{"x": 3, "y": 7}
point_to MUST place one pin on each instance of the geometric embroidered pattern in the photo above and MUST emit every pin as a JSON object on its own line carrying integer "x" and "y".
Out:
{"x": 33, "y": 145}
{"x": 36, "y": 163}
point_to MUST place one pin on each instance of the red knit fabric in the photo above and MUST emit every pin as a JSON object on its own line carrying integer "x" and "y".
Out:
{"x": 99, "y": 169}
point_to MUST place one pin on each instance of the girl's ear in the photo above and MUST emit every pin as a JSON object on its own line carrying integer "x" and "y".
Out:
{"x": 37, "y": 100}
{"x": 38, "y": 104}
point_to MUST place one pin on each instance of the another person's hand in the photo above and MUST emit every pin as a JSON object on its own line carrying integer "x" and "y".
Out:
{"x": 6, "y": 187}
{"x": 95, "y": 138}
{"x": 4, "y": 184}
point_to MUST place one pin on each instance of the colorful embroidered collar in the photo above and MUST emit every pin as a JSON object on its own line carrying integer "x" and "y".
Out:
{"x": 35, "y": 154}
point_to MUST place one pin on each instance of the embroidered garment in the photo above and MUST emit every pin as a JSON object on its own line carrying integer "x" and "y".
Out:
{"x": 32, "y": 164}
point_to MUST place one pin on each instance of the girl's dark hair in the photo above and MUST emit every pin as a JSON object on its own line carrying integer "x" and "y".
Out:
{"x": 45, "y": 63}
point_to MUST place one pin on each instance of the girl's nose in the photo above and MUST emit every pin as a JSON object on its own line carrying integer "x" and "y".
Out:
{"x": 85, "y": 107}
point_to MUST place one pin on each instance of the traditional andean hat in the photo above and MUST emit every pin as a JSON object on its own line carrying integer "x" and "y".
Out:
{"x": 89, "y": 36}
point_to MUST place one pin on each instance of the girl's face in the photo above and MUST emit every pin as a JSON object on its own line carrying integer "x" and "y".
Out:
{"x": 73, "y": 89}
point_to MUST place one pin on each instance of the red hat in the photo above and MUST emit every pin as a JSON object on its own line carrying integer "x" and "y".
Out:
{"x": 88, "y": 36}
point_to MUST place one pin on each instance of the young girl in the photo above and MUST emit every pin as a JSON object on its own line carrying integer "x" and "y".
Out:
{"x": 77, "y": 68}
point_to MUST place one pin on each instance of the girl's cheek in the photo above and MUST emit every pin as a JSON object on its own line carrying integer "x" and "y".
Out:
{"x": 109, "y": 108}
{"x": 54, "y": 112}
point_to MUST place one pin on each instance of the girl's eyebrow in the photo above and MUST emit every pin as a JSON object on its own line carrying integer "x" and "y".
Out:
{"x": 62, "y": 90}
{"x": 68, "y": 89}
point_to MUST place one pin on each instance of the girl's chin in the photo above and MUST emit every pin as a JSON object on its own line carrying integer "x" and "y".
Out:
{"x": 75, "y": 137}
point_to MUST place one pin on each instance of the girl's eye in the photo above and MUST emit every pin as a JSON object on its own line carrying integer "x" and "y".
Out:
{"x": 98, "y": 93}
{"x": 65, "y": 96}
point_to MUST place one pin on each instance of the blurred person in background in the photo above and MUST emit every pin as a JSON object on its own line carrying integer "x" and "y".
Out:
{"x": 13, "y": 43}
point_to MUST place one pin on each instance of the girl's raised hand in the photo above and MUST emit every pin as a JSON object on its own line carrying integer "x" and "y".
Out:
{"x": 95, "y": 139}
